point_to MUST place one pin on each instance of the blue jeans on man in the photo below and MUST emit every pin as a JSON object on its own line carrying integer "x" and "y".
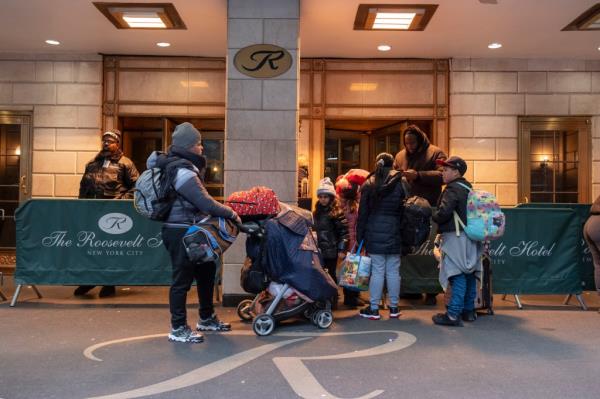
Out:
{"x": 464, "y": 292}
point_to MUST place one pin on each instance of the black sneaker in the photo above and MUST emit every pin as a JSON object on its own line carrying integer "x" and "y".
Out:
{"x": 394, "y": 312}
{"x": 442, "y": 319}
{"x": 469, "y": 316}
{"x": 368, "y": 313}
{"x": 212, "y": 324}
{"x": 185, "y": 334}
{"x": 107, "y": 290}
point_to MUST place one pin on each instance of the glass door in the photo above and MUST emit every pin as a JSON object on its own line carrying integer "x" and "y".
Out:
{"x": 14, "y": 176}
{"x": 342, "y": 152}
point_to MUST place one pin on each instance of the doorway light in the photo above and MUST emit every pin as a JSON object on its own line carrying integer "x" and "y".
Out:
{"x": 494, "y": 46}
{"x": 163, "y": 44}
{"x": 384, "y": 47}
{"x": 53, "y": 42}
{"x": 407, "y": 17}
{"x": 363, "y": 86}
{"x": 141, "y": 15}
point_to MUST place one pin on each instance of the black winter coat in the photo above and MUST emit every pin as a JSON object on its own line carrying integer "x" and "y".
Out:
{"x": 454, "y": 198}
{"x": 109, "y": 178}
{"x": 380, "y": 214}
{"x": 332, "y": 231}
{"x": 429, "y": 181}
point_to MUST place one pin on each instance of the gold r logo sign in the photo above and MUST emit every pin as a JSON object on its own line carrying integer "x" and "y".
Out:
{"x": 263, "y": 61}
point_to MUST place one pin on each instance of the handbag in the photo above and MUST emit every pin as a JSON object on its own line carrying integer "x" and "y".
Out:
{"x": 207, "y": 240}
{"x": 355, "y": 273}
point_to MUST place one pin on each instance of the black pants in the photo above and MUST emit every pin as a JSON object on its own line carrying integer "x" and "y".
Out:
{"x": 184, "y": 274}
{"x": 331, "y": 265}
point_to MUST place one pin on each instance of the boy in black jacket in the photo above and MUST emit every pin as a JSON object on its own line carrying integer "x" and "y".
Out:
{"x": 460, "y": 263}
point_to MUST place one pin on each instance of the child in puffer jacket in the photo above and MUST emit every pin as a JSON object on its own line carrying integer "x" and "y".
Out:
{"x": 331, "y": 227}
{"x": 347, "y": 187}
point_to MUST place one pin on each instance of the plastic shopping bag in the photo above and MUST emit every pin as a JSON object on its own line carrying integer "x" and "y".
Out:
{"x": 356, "y": 271}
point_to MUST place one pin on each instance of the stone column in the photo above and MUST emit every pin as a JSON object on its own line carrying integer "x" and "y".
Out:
{"x": 262, "y": 114}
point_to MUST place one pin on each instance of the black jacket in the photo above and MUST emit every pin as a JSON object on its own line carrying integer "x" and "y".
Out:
{"x": 454, "y": 198}
{"x": 112, "y": 178}
{"x": 332, "y": 231}
{"x": 429, "y": 181}
{"x": 380, "y": 214}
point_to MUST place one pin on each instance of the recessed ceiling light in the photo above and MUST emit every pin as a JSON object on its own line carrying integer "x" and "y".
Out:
{"x": 53, "y": 42}
{"x": 141, "y": 15}
{"x": 163, "y": 44}
{"x": 494, "y": 45}
{"x": 384, "y": 47}
{"x": 393, "y": 16}
{"x": 589, "y": 20}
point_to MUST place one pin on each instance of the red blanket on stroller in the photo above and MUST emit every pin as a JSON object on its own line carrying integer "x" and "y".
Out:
{"x": 258, "y": 201}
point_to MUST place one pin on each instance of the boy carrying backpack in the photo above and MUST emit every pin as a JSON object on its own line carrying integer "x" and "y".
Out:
{"x": 460, "y": 265}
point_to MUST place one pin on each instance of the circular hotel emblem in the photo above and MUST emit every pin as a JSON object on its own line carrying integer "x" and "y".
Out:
{"x": 263, "y": 61}
{"x": 115, "y": 223}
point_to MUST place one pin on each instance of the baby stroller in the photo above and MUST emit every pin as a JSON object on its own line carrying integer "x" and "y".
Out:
{"x": 282, "y": 255}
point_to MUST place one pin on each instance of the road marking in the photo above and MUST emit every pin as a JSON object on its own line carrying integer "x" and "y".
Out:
{"x": 301, "y": 380}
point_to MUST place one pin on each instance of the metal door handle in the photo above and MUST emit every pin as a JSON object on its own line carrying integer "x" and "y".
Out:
{"x": 24, "y": 184}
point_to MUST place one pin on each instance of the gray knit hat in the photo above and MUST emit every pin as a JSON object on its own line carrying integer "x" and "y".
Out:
{"x": 326, "y": 187}
{"x": 186, "y": 135}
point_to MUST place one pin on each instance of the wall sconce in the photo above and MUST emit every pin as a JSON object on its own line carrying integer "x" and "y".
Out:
{"x": 544, "y": 163}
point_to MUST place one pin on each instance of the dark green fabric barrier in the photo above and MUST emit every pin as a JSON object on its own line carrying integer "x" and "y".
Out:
{"x": 103, "y": 242}
{"x": 586, "y": 263}
{"x": 95, "y": 242}
{"x": 537, "y": 255}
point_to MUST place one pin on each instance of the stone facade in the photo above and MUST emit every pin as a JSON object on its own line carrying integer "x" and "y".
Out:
{"x": 262, "y": 114}
{"x": 64, "y": 94}
{"x": 488, "y": 95}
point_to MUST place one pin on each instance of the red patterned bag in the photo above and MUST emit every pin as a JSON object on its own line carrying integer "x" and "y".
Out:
{"x": 258, "y": 201}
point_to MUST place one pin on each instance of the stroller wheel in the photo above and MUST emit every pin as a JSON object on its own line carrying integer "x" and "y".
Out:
{"x": 244, "y": 310}
{"x": 263, "y": 324}
{"x": 324, "y": 318}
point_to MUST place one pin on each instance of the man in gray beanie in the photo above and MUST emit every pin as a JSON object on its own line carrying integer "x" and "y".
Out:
{"x": 184, "y": 166}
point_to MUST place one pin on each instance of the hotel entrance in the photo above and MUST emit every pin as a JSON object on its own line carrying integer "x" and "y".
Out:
{"x": 142, "y": 135}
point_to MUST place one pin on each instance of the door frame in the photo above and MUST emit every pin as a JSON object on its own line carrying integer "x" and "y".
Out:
{"x": 24, "y": 119}
{"x": 582, "y": 124}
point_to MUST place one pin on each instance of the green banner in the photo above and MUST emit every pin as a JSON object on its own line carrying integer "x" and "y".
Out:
{"x": 538, "y": 254}
{"x": 586, "y": 263}
{"x": 95, "y": 242}
{"x": 419, "y": 270}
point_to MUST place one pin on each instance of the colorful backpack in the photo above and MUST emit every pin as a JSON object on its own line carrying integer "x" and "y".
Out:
{"x": 485, "y": 220}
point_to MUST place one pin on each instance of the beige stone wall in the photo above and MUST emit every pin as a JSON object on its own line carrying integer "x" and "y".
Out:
{"x": 261, "y": 129}
{"x": 488, "y": 95}
{"x": 64, "y": 94}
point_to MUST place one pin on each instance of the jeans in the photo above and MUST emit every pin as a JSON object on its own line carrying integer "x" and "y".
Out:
{"x": 183, "y": 275}
{"x": 464, "y": 292}
{"x": 384, "y": 268}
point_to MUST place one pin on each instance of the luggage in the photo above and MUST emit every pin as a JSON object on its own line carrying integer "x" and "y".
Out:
{"x": 485, "y": 298}
{"x": 485, "y": 220}
{"x": 149, "y": 198}
{"x": 257, "y": 202}
{"x": 416, "y": 223}
{"x": 207, "y": 240}
{"x": 356, "y": 271}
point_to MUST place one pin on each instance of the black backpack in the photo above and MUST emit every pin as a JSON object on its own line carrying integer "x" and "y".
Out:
{"x": 416, "y": 223}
